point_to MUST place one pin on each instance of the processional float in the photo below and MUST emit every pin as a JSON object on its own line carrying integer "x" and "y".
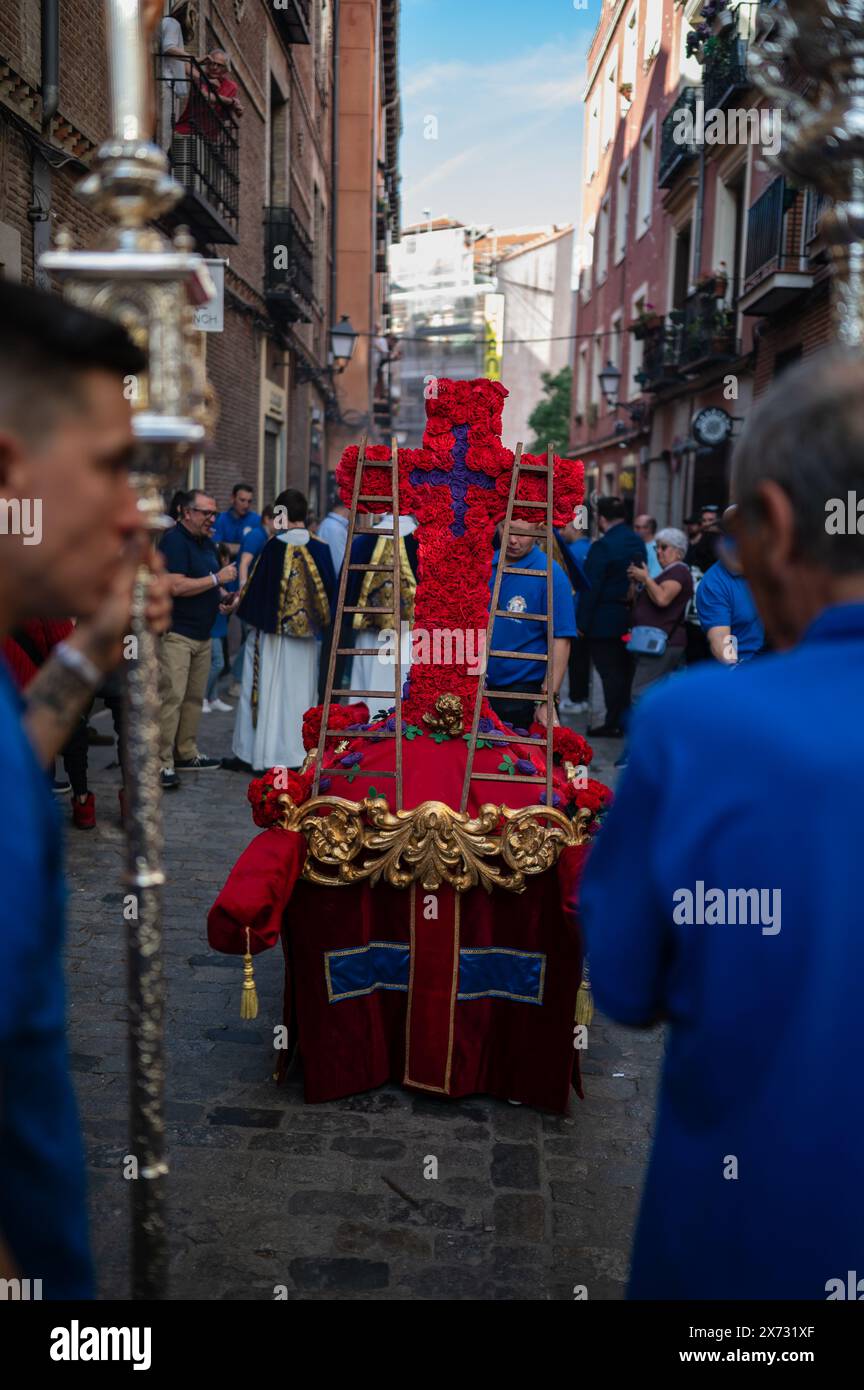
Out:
{"x": 151, "y": 285}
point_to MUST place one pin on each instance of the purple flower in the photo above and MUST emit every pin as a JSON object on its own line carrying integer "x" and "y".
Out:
{"x": 486, "y": 725}
{"x": 522, "y": 733}
{"x": 391, "y": 723}
{"x": 406, "y": 689}
{"x": 324, "y": 785}
{"x": 353, "y": 728}
{"x": 556, "y": 800}
{"x": 526, "y": 767}
{"x": 351, "y": 760}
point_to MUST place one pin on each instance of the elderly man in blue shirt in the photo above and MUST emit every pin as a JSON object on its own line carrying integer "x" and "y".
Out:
{"x": 735, "y": 914}
{"x": 526, "y": 593}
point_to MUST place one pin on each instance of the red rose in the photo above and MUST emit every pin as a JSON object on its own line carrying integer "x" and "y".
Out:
{"x": 341, "y": 717}
{"x": 595, "y": 798}
{"x": 264, "y": 794}
{"x": 567, "y": 745}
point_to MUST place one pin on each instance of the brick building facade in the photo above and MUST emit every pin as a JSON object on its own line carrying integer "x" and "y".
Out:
{"x": 259, "y": 196}
{"x": 704, "y": 275}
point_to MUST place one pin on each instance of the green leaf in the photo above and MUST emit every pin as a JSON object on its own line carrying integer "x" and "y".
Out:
{"x": 439, "y": 736}
{"x": 412, "y": 731}
{"x": 507, "y": 765}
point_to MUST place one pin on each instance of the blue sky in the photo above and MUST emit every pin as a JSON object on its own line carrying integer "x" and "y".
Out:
{"x": 503, "y": 79}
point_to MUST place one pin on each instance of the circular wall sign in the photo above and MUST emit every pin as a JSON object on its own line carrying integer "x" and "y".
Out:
{"x": 712, "y": 426}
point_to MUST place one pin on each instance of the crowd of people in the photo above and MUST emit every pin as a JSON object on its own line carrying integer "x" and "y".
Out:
{"x": 753, "y": 1189}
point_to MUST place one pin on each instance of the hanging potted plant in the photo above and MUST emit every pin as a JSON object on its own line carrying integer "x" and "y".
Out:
{"x": 645, "y": 322}
{"x": 715, "y": 284}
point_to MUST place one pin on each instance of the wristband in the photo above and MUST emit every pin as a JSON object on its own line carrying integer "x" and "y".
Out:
{"x": 215, "y": 581}
{"x": 79, "y": 664}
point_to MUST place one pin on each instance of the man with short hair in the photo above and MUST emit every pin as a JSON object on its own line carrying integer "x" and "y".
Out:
{"x": 646, "y": 527}
{"x": 334, "y": 530}
{"x": 603, "y": 612}
{"x": 66, "y": 440}
{"x": 236, "y": 521}
{"x": 754, "y": 1185}
{"x": 198, "y": 588}
{"x": 528, "y": 594}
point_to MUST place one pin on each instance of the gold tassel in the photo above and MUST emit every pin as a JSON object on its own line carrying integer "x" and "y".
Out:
{"x": 585, "y": 1000}
{"x": 249, "y": 997}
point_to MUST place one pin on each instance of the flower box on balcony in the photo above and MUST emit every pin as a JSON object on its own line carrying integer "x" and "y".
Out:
{"x": 645, "y": 324}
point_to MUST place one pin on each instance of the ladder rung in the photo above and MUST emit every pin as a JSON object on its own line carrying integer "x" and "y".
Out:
{"x": 539, "y": 699}
{"x": 520, "y": 503}
{"x": 537, "y": 467}
{"x": 329, "y": 770}
{"x": 365, "y": 733}
{"x": 517, "y": 656}
{"x": 384, "y": 569}
{"x": 503, "y": 777}
{"x": 508, "y": 569}
{"x": 370, "y": 498}
{"x": 505, "y": 613}
{"x": 370, "y": 694}
{"x": 359, "y": 651}
{"x": 369, "y": 610}
{"x": 512, "y": 738}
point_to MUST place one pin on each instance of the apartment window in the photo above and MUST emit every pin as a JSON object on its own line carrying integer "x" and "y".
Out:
{"x": 622, "y": 212}
{"x": 582, "y": 382}
{"x": 593, "y": 142}
{"x": 629, "y": 58}
{"x": 637, "y": 347}
{"x": 616, "y": 342}
{"x": 279, "y": 147}
{"x": 596, "y": 368}
{"x": 603, "y": 242}
{"x": 653, "y": 29}
{"x": 645, "y": 198}
{"x": 689, "y": 68}
{"x": 588, "y": 268}
{"x": 683, "y": 251}
{"x": 610, "y": 100}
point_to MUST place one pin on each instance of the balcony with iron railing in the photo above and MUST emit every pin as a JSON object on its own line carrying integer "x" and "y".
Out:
{"x": 706, "y": 325}
{"x": 724, "y": 70}
{"x": 675, "y": 149}
{"x": 293, "y": 20}
{"x": 289, "y": 285}
{"x": 202, "y": 139}
{"x": 777, "y": 267}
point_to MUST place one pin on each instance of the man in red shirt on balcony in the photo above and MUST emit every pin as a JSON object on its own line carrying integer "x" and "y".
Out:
{"x": 212, "y": 102}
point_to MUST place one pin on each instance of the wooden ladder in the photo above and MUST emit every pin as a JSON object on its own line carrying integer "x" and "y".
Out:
{"x": 330, "y": 691}
{"x": 547, "y": 534}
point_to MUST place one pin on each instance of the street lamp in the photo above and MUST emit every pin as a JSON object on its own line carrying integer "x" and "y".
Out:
{"x": 610, "y": 380}
{"x": 343, "y": 340}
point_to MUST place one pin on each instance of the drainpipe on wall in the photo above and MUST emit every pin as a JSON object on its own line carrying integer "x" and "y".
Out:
{"x": 334, "y": 168}
{"x": 50, "y": 60}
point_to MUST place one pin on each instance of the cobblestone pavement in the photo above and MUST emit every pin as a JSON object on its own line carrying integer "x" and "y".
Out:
{"x": 328, "y": 1201}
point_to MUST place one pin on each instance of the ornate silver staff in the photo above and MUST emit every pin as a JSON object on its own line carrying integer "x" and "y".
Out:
{"x": 823, "y": 128}
{"x": 138, "y": 277}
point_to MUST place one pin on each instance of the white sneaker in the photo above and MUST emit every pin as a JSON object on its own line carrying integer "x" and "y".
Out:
{"x": 206, "y": 706}
{"x": 221, "y": 706}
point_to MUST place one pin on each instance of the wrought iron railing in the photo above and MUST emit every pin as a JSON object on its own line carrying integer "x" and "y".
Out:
{"x": 707, "y": 325}
{"x": 814, "y": 206}
{"x": 201, "y": 137}
{"x": 725, "y": 69}
{"x": 769, "y": 247}
{"x": 289, "y": 264}
{"x": 674, "y": 152}
{"x": 660, "y": 357}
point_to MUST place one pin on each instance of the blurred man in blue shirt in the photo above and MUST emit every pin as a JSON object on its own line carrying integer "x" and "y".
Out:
{"x": 65, "y": 439}
{"x": 735, "y": 914}
{"x": 236, "y": 522}
{"x": 725, "y": 606}
{"x": 526, "y": 593}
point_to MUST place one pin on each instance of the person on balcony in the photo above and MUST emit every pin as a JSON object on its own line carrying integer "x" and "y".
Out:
{"x": 213, "y": 99}
{"x": 173, "y": 68}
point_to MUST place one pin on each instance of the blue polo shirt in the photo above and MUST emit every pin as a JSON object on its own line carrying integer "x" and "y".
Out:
{"x": 233, "y": 530}
{"x": 254, "y": 542}
{"x": 43, "y": 1199}
{"x": 724, "y": 600}
{"x": 527, "y": 594}
{"x": 192, "y": 557}
{"x": 765, "y": 1046}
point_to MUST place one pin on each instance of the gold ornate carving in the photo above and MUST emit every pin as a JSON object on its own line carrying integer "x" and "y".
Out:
{"x": 448, "y": 715}
{"x": 351, "y": 842}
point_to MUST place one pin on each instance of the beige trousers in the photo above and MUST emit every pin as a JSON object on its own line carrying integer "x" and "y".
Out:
{"x": 183, "y": 670}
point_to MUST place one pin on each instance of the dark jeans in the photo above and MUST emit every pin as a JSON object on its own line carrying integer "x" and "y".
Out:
{"x": 615, "y": 670}
{"x": 519, "y": 713}
{"x": 580, "y": 670}
{"x": 75, "y": 757}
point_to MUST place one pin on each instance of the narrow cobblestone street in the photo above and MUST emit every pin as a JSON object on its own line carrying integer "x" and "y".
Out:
{"x": 328, "y": 1201}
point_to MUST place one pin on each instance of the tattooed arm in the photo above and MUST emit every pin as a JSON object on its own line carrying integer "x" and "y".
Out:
{"x": 58, "y": 696}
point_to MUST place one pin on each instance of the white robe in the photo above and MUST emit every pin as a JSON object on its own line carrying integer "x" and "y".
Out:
{"x": 370, "y": 672}
{"x": 287, "y": 687}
